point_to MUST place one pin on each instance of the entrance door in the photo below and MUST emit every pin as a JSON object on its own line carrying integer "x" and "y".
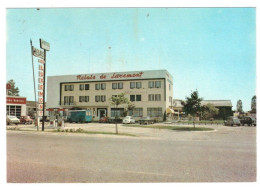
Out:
{"x": 102, "y": 112}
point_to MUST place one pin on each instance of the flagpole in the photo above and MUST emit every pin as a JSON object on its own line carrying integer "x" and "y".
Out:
{"x": 35, "y": 119}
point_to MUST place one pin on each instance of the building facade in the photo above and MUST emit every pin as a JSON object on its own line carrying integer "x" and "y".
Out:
{"x": 150, "y": 92}
{"x": 16, "y": 106}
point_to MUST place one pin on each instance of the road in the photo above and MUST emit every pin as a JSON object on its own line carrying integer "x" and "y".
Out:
{"x": 225, "y": 155}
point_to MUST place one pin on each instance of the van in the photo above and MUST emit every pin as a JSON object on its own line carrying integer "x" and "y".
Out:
{"x": 79, "y": 116}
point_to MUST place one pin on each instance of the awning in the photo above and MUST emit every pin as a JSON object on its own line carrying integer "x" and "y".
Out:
{"x": 169, "y": 110}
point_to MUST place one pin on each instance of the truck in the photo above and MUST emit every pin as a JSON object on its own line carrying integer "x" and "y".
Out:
{"x": 79, "y": 116}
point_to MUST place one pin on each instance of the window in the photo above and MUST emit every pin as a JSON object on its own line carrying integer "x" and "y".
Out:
{"x": 154, "y": 97}
{"x": 120, "y": 85}
{"x": 66, "y": 100}
{"x": 103, "y": 86}
{"x": 100, "y": 98}
{"x": 103, "y": 98}
{"x": 114, "y": 85}
{"x": 71, "y": 100}
{"x": 83, "y": 98}
{"x": 114, "y": 95}
{"x": 86, "y": 86}
{"x": 69, "y": 87}
{"x": 132, "y": 98}
{"x": 138, "y": 112}
{"x": 169, "y": 86}
{"x": 157, "y": 97}
{"x": 138, "y": 85}
{"x": 154, "y": 112}
{"x": 97, "y": 98}
{"x": 151, "y": 97}
{"x": 138, "y": 98}
{"x": 151, "y": 84}
{"x": 157, "y": 84}
{"x": 132, "y": 85}
{"x": 97, "y": 86}
{"x": 117, "y": 112}
{"x": 81, "y": 87}
{"x": 170, "y": 99}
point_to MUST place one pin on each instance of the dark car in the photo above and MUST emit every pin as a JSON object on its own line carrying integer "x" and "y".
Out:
{"x": 146, "y": 120}
{"x": 248, "y": 120}
{"x": 231, "y": 121}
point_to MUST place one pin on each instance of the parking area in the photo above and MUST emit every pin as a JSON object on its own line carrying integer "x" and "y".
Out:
{"x": 226, "y": 154}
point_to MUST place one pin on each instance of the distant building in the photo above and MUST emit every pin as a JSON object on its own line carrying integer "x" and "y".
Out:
{"x": 224, "y": 106}
{"x": 15, "y": 105}
{"x": 176, "y": 110}
{"x": 31, "y": 108}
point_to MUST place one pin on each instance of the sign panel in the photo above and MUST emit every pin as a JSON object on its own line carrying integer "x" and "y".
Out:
{"x": 44, "y": 45}
{"x": 40, "y": 113}
{"x": 40, "y": 87}
{"x": 38, "y": 53}
{"x": 40, "y": 80}
{"x": 12, "y": 100}
{"x": 41, "y": 61}
{"x": 40, "y": 106}
{"x": 41, "y": 67}
{"x": 40, "y": 93}
{"x": 41, "y": 73}
{"x": 40, "y": 100}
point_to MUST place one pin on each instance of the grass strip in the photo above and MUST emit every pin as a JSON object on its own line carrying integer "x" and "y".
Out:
{"x": 75, "y": 131}
{"x": 177, "y": 128}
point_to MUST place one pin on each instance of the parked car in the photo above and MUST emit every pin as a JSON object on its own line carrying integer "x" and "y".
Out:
{"x": 103, "y": 120}
{"x": 128, "y": 119}
{"x": 248, "y": 120}
{"x": 26, "y": 120}
{"x": 231, "y": 121}
{"x": 114, "y": 120}
{"x": 146, "y": 120}
{"x": 10, "y": 119}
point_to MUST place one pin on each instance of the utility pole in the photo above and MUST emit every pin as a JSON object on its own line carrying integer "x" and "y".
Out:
{"x": 34, "y": 86}
{"x": 43, "y": 117}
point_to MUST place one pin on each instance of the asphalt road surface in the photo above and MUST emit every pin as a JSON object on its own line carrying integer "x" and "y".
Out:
{"x": 225, "y": 155}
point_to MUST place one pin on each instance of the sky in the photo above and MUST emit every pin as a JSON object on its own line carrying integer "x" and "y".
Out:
{"x": 212, "y": 50}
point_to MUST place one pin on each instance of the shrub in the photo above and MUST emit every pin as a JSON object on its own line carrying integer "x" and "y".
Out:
{"x": 71, "y": 130}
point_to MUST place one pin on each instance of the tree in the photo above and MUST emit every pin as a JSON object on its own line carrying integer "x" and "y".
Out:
{"x": 239, "y": 106}
{"x": 209, "y": 111}
{"x": 192, "y": 105}
{"x": 130, "y": 107}
{"x": 253, "y": 104}
{"x": 116, "y": 101}
{"x": 14, "y": 91}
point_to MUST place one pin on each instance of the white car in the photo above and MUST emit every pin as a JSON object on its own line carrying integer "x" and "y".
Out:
{"x": 128, "y": 119}
{"x": 12, "y": 119}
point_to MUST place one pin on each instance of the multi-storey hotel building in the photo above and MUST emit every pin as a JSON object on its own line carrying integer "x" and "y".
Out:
{"x": 150, "y": 92}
